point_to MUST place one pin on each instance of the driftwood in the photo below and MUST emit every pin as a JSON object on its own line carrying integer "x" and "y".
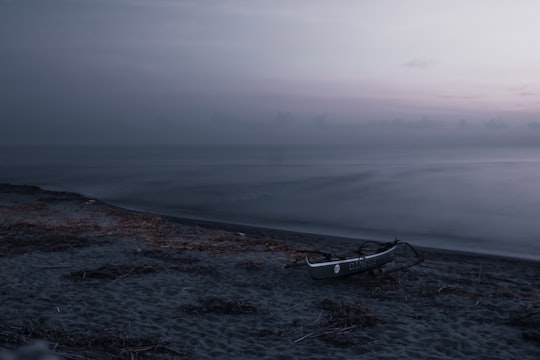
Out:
{"x": 339, "y": 321}
{"x": 217, "y": 305}
{"x": 22, "y": 237}
{"x": 114, "y": 272}
{"x": 250, "y": 266}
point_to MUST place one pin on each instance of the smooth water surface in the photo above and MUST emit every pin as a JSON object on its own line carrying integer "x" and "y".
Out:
{"x": 482, "y": 199}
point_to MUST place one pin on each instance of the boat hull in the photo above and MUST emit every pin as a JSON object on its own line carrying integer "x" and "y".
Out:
{"x": 337, "y": 268}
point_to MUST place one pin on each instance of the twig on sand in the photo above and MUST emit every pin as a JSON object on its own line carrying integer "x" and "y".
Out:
{"x": 344, "y": 330}
{"x": 480, "y": 273}
{"x": 340, "y": 320}
{"x": 311, "y": 334}
{"x": 114, "y": 272}
{"x": 70, "y": 356}
{"x": 125, "y": 275}
{"x": 319, "y": 316}
{"x": 135, "y": 352}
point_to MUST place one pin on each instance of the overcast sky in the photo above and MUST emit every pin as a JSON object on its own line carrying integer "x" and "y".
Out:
{"x": 92, "y": 71}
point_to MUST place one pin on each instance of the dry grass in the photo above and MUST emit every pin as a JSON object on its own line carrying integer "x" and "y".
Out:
{"x": 338, "y": 323}
{"x": 72, "y": 345}
{"x": 216, "y": 305}
{"x": 114, "y": 272}
{"x": 23, "y": 237}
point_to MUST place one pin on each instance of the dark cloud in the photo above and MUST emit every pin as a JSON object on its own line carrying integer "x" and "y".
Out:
{"x": 145, "y": 71}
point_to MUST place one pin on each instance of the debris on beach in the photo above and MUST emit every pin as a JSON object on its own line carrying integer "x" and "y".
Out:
{"x": 216, "y": 305}
{"x": 114, "y": 272}
{"x": 40, "y": 342}
{"x": 338, "y": 323}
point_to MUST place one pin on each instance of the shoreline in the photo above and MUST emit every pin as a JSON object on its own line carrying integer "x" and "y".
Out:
{"x": 95, "y": 281}
{"x": 315, "y": 236}
{"x": 338, "y": 240}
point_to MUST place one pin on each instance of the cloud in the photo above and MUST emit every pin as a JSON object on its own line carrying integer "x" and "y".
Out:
{"x": 519, "y": 87}
{"x": 523, "y": 90}
{"x": 320, "y": 121}
{"x": 460, "y": 97}
{"x": 495, "y": 124}
{"x": 420, "y": 63}
{"x": 283, "y": 119}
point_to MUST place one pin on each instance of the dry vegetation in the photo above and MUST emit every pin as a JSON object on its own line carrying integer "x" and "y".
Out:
{"x": 216, "y": 305}
{"x": 106, "y": 344}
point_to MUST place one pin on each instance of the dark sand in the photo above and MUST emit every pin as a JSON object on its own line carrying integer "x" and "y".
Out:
{"x": 87, "y": 280}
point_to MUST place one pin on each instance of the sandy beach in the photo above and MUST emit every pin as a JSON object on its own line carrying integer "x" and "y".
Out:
{"x": 82, "y": 279}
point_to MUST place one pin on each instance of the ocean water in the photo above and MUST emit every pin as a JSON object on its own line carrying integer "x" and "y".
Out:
{"x": 479, "y": 199}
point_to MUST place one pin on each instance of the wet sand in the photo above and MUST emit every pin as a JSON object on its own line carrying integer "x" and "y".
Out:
{"x": 81, "y": 279}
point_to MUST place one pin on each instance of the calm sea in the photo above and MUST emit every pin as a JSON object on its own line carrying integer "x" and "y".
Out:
{"x": 483, "y": 199}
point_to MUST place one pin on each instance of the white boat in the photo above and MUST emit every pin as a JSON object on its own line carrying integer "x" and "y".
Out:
{"x": 334, "y": 267}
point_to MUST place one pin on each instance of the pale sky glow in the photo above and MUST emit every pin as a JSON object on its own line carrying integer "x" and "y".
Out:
{"x": 455, "y": 59}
